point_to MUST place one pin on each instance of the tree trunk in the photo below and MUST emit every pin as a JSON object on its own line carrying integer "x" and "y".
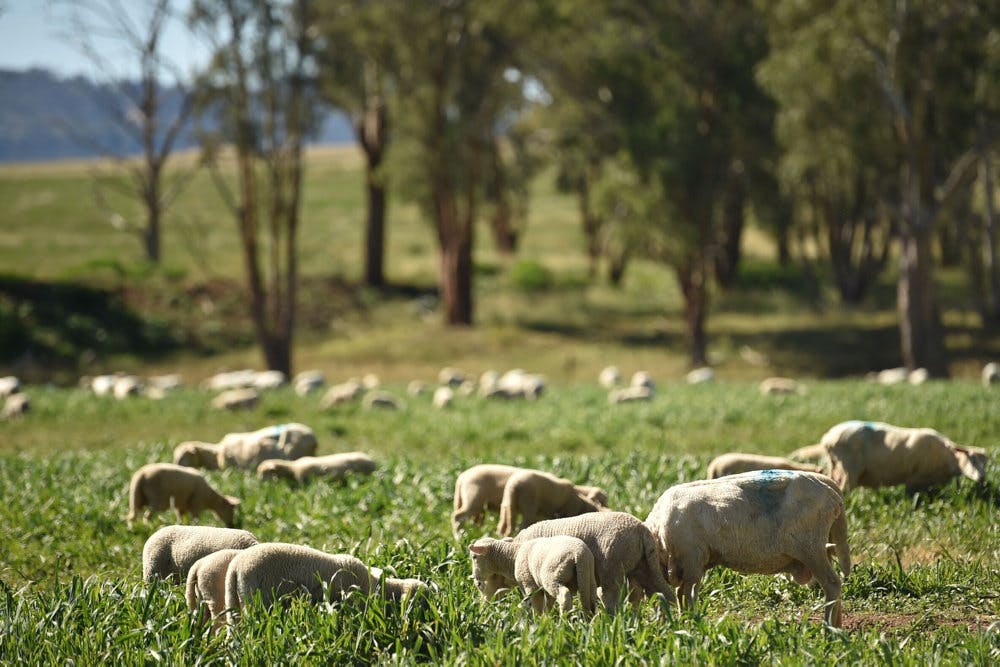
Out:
{"x": 151, "y": 234}
{"x": 617, "y": 263}
{"x": 728, "y": 257}
{"x": 919, "y": 319}
{"x": 990, "y": 240}
{"x": 375, "y": 232}
{"x": 691, "y": 277}
{"x": 455, "y": 241}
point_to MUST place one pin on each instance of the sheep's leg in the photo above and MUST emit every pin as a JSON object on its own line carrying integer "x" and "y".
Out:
{"x": 827, "y": 577}
{"x": 564, "y": 598}
{"x": 535, "y": 600}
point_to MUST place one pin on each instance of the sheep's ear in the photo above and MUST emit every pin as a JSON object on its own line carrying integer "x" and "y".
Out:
{"x": 507, "y": 539}
{"x": 477, "y": 548}
{"x": 967, "y": 464}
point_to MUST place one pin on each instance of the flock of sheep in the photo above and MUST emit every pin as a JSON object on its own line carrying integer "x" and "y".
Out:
{"x": 557, "y": 538}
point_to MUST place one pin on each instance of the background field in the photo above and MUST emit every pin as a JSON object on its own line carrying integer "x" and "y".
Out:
{"x": 924, "y": 590}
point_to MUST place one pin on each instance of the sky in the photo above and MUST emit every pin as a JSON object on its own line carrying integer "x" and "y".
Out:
{"x": 33, "y": 33}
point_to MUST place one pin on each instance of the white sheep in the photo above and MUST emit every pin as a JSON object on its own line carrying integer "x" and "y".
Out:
{"x": 488, "y": 382}
{"x": 276, "y": 570}
{"x": 156, "y": 487}
{"x": 609, "y": 377}
{"x": 481, "y": 487}
{"x": 381, "y": 399}
{"x": 991, "y": 374}
{"x": 623, "y": 548}
{"x": 918, "y": 376}
{"x": 170, "y": 552}
{"x": 168, "y": 382}
{"x": 101, "y": 385}
{"x": 700, "y": 375}
{"x": 241, "y": 379}
{"x": 630, "y": 394}
{"x": 443, "y": 397}
{"x": 874, "y": 454}
{"x": 236, "y": 399}
{"x": 550, "y": 569}
{"x": 247, "y": 450}
{"x": 265, "y": 380}
{"x": 763, "y": 522}
{"x": 16, "y": 405}
{"x": 127, "y": 385}
{"x": 779, "y": 385}
{"x": 206, "y": 585}
{"x": 642, "y": 379}
{"x": 891, "y": 376}
{"x": 334, "y": 467}
{"x": 371, "y": 381}
{"x": 416, "y": 388}
{"x": 9, "y": 385}
{"x": 451, "y": 376}
{"x": 537, "y": 495}
{"x": 345, "y": 392}
{"x": 307, "y": 382}
{"x": 737, "y": 462}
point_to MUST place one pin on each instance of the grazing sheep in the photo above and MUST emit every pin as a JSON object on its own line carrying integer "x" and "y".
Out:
{"x": 537, "y": 495}
{"x": 630, "y": 394}
{"x": 345, "y": 392}
{"x": 416, "y": 388}
{"x": 488, "y": 382}
{"x": 467, "y": 388}
{"x": 443, "y": 397}
{"x": 873, "y": 454}
{"x": 381, "y": 399}
{"x": 812, "y": 454}
{"x": 763, "y": 522}
{"x": 156, "y": 487}
{"x": 236, "y": 399}
{"x": 307, "y": 382}
{"x": 918, "y": 376}
{"x": 451, "y": 376}
{"x": 194, "y": 454}
{"x": 242, "y": 379}
{"x": 275, "y": 570}
{"x": 736, "y": 462}
{"x": 642, "y": 379}
{"x": 518, "y": 383}
{"x": 127, "y": 385}
{"x": 991, "y": 374}
{"x": 206, "y": 585}
{"x": 551, "y": 569}
{"x": 102, "y": 385}
{"x": 167, "y": 382}
{"x": 333, "y": 467}
{"x": 265, "y": 380}
{"x": 16, "y": 405}
{"x": 778, "y": 385}
{"x": 609, "y": 377}
{"x": 477, "y": 489}
{"x": 282, "y": 441}
{"x": 622, "y": 547}
{"x": 700, "y": 375}
{"x": 170, "y": 552}
{"x": 9, "y": 385}
{"x": 891, "y": 376}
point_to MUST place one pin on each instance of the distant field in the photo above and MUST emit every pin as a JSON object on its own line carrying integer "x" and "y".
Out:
{"x": 924, "y": 589}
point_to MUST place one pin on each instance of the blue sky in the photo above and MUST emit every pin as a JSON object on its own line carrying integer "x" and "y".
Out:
{"x": 33, "y": 33}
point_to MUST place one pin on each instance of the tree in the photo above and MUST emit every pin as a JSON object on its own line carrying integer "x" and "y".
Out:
{"x": 357, "y": 60}
{"x": 262, "y": 83}
{"x": 143, "y": 110}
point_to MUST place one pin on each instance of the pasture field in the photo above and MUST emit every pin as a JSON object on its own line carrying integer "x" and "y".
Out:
{"x": 925, "y": 589}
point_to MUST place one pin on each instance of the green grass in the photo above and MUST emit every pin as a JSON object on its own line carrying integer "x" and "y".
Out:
{"x": 924, "y": 591}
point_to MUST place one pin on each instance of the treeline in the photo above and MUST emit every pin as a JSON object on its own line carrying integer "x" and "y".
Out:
{"x": 864, "y": 130}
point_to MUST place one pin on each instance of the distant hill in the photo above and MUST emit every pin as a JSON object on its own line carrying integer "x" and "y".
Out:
{"x": 44, "y": 117}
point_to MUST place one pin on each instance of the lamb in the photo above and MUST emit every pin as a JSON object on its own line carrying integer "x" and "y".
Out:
{"x": 264, "y": 380}
{"x": 736, "y": 462}
{"x": 236, "y": 399}
{"x": 206, "y": 584}
{"x": 443, "y": 397}
{"x": 170, "y": 552}
{"x": 333, "y": 467}
{"x": 700, "y": 375}
{"x": 241, "y": 379}
{"x": 157, "y": 486}
{"x": 537, "y": 495}
{"x": 381, "y": 399}
{"x": 248, "y": 450}
{"x": 991, "y": 374}
{"x": 16, "y": 405}
{"x": 127, "y": 385}
{"x": 643, "y": 379}
{"x": 547, "y": 570}
{"x": 451, "y": 376}
{"x": 194, "y": 454}
{"x": 874, "y": 454}
{"x": 344, "y": 392}
{"x": 307, "y": 382}
{"x": 764, "y": 522}
{"x": 277, "y": 569}
{"x": 630, "y": 394}
{"x": 416, "y": 388}
{"x": 622, "y": 546}
{"x": 609, "y": 377}
{"x": 481, "y": 487}
{"x": 9, "y": 386}
{"x": 778, "y": 385}
{"x": 518, "y": 383}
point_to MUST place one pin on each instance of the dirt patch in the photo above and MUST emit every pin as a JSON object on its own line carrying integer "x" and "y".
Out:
{"x": 902, "y": 623}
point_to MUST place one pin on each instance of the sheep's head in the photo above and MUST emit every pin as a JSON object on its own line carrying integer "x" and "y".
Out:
{"x": 193, "y": 454}
{"x": 595, "y": 494}
{"x": 273, "y": 469}
{"x": 227, "y": 512}
{"x": 972, "y": 462}
{"x": 490, "y": 570}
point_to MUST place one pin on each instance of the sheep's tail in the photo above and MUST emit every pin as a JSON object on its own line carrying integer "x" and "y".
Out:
{"x": 191, "y": 590}
{"x": 136, "y": 498}
{"x": 838, "y": 535}
{"x": 586, "y": 586}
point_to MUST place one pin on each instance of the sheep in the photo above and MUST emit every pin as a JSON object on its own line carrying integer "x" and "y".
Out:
{"x": 276, "y": 569}
{"x": 700, "y": 375}
{"x": 332, "y": 466}
{"x": 736, "y": 462}
{"x": 194, "y": 454}
{"x": 16, "y": 405}
{"x": 537, "y": 495}
{"x": 891, "y": 376}
{"x": 371, "y": 381}
{"x": 991, "y": 374}
{"x": 167, "y": 382}
{"x": 9, "y": 386}
{"x": 381, "y": 399}
{"x": 236, "y": 399}
{"x": 170, "y": 552}
{"x": 241, "y": 379}
{"x": 265, "y": 380}
{"x": 416, "y": 388}
{"x": 918, "y": 376}
{"x": 811, "y": 453}
{"x": 467, "y": 388}
{"x": 127, "y": 385}
{"x": 481, "y": 487}
{"x": 779, "y": 385}
{"x": 344, "y": 392}
{"x": 451, "y": 376}
{"x": 206, "y": 584}
{"x": 642, "y": 379}
{"x": 102, "y": 385}
{"x": 157, "y": 486}
{"x": 550, "y": 569}
{"x": 622, "y": 546}
{"x": 609, "y": 377}
{"x": 488, "y": 382}
{"x": 443, "y": 397}
{"x": 630, "y": 394}
{"x": 282, "y": 441}
{"x": 307, "y": 382}
{"x": 518, "y": 383}
{"x": 874, "y": 454}
{"x": 763, "y": 522}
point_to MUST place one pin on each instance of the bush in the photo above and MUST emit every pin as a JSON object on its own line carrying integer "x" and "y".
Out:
{"x": 530, "y": 276}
